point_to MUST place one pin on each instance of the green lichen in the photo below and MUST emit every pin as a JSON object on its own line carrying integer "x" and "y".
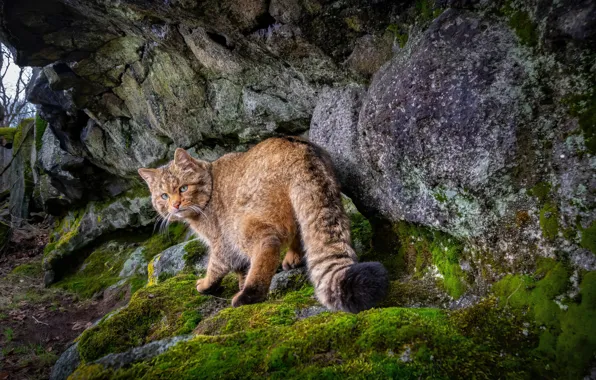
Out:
{"x": 549, "y": 221}
{"x": 40, "y": 128}
{"x": 100, "y": 270}
{"x": 175, "y": 234}
{"x": 588, "y": 240}
{"x": 421, "y": 247}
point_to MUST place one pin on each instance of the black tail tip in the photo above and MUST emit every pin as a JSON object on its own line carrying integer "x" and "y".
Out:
{"x": 364, "y": 285}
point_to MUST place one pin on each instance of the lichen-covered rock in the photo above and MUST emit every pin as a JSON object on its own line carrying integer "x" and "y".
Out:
{"x": 285, "y": 281}
{"x": 21, "y": 173}
{"x": 190, "y": 255}
{"x": 135, "y": 265}
{"x": 455, "y": 134}
{"x": 79, "y": 228}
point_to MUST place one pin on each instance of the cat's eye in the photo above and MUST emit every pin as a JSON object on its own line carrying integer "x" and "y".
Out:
{"x": 183, "y": 188}
{"x": 164, "y": 196}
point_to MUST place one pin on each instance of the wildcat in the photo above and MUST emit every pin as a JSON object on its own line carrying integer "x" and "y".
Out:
{"x": 248, "y": 206}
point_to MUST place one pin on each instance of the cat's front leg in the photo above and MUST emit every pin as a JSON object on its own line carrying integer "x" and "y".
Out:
{"x": 216, "y": 271}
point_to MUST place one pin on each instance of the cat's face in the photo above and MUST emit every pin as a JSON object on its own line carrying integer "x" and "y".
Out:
{"x": 180, "y": 189}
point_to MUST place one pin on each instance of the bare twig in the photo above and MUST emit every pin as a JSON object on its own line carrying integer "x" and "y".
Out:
{"x": 38, "y": 321}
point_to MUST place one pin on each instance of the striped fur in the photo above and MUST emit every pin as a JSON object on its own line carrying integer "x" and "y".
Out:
{"x": 248, "y": 206}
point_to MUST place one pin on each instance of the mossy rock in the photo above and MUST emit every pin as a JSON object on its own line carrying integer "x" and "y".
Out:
{"x": 387, "y": 343}
{"x": 100, "y": 270}
{"x": 154, "y": 312}
{"x": 565, "y": 325}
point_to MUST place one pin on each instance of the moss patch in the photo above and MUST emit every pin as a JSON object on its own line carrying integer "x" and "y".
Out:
{"x": 100, "y": 270}
{"x": 566, "y": 327}
{"x": 175, "y": 234}
{"x": 549, "y": 221}
{"x": 7, "y": 133}
{"x": 379, "y": 343}
{"x": 588, "y": 240}
{"x": 32, "y": 269}
{"x": 422, "y": 247}
{"x": 193, "y": 252}
{"x": 40, "y": 128}
{"x": 154, "y": 312}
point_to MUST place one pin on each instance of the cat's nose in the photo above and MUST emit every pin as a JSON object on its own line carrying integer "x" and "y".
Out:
{"x": 176, "y": 205}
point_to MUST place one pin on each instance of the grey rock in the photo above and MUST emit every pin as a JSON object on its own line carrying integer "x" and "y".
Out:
{"x": 79, "y": 229}
{"x": 310, "y": 311}
{"x": 135, "y": 264}
{"x": 141, "y": 353}
{"x": 285, "y": 281}
{"x": 171, "y": 262}
{"x": 445, "y": 138}
{"x": 66, "y": 364}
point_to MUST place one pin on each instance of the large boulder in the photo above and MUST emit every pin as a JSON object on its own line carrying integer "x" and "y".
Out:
{"x": 456, "y": 133}
{"x": 82, "y": 227}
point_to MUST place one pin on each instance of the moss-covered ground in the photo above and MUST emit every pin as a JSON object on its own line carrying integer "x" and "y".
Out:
{"x": 537, "y": 325}
{"x": 99, "y": 270}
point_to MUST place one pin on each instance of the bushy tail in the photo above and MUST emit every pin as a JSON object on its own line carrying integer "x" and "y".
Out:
{"x": 341, "y": 283}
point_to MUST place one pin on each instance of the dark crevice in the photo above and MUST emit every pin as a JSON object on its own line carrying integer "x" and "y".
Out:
{"x": 264, "y": 21}
{"x": 219, "y": 39}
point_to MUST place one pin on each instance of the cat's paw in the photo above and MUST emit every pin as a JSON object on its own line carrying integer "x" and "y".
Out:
{"x": 204, "y": 287}
{"x": 292, "y": 261}
{"x": 248, "y": 296}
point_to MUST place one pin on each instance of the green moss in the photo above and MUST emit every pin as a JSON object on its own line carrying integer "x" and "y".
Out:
{"x": 588, "y": 240}
{"x": 522, "y": 24}
{"x": 40, "y": 128}
{"x": 154, "y": 312}
{"x": 427, "y": 10}
{"x": 541, "y": 191}
{"x": 30, "y": 270}
{"x": 353, "y": 23}
{"x": 549, "y": 221}
{"x": 7, "y": 133}
{"x": 399, "y": 33}
{"x": 100, "y": 270}
{"x": 567, "y": 333}
{"x": 194, "y": 251}
{"x": 361, "y": 230}
{"x": 583, "y": 106}
{"x": 175, "y": 234}
{"x": 334, "y": 345}
{"x": 21, "y": 132}
{"x": 422, "y": 246}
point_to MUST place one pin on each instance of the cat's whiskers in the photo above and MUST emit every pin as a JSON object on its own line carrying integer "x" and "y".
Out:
{"x": 198, "y": 210}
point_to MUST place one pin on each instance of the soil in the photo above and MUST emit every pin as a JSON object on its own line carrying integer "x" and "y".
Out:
{"x": 36, "y": 323}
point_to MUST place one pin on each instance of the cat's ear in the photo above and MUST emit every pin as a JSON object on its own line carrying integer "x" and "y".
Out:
{"x": 149, "y": 175}
{"x": 184, "y": 160}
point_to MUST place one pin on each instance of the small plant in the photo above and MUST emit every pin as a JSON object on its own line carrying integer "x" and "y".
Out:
{"x": 8, "y": 334}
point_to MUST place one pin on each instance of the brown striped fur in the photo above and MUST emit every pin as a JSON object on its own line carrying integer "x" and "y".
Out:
{"x": 247, "y": 206}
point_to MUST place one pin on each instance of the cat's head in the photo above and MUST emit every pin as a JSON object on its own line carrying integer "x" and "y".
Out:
{"x": 180, "y": 189}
